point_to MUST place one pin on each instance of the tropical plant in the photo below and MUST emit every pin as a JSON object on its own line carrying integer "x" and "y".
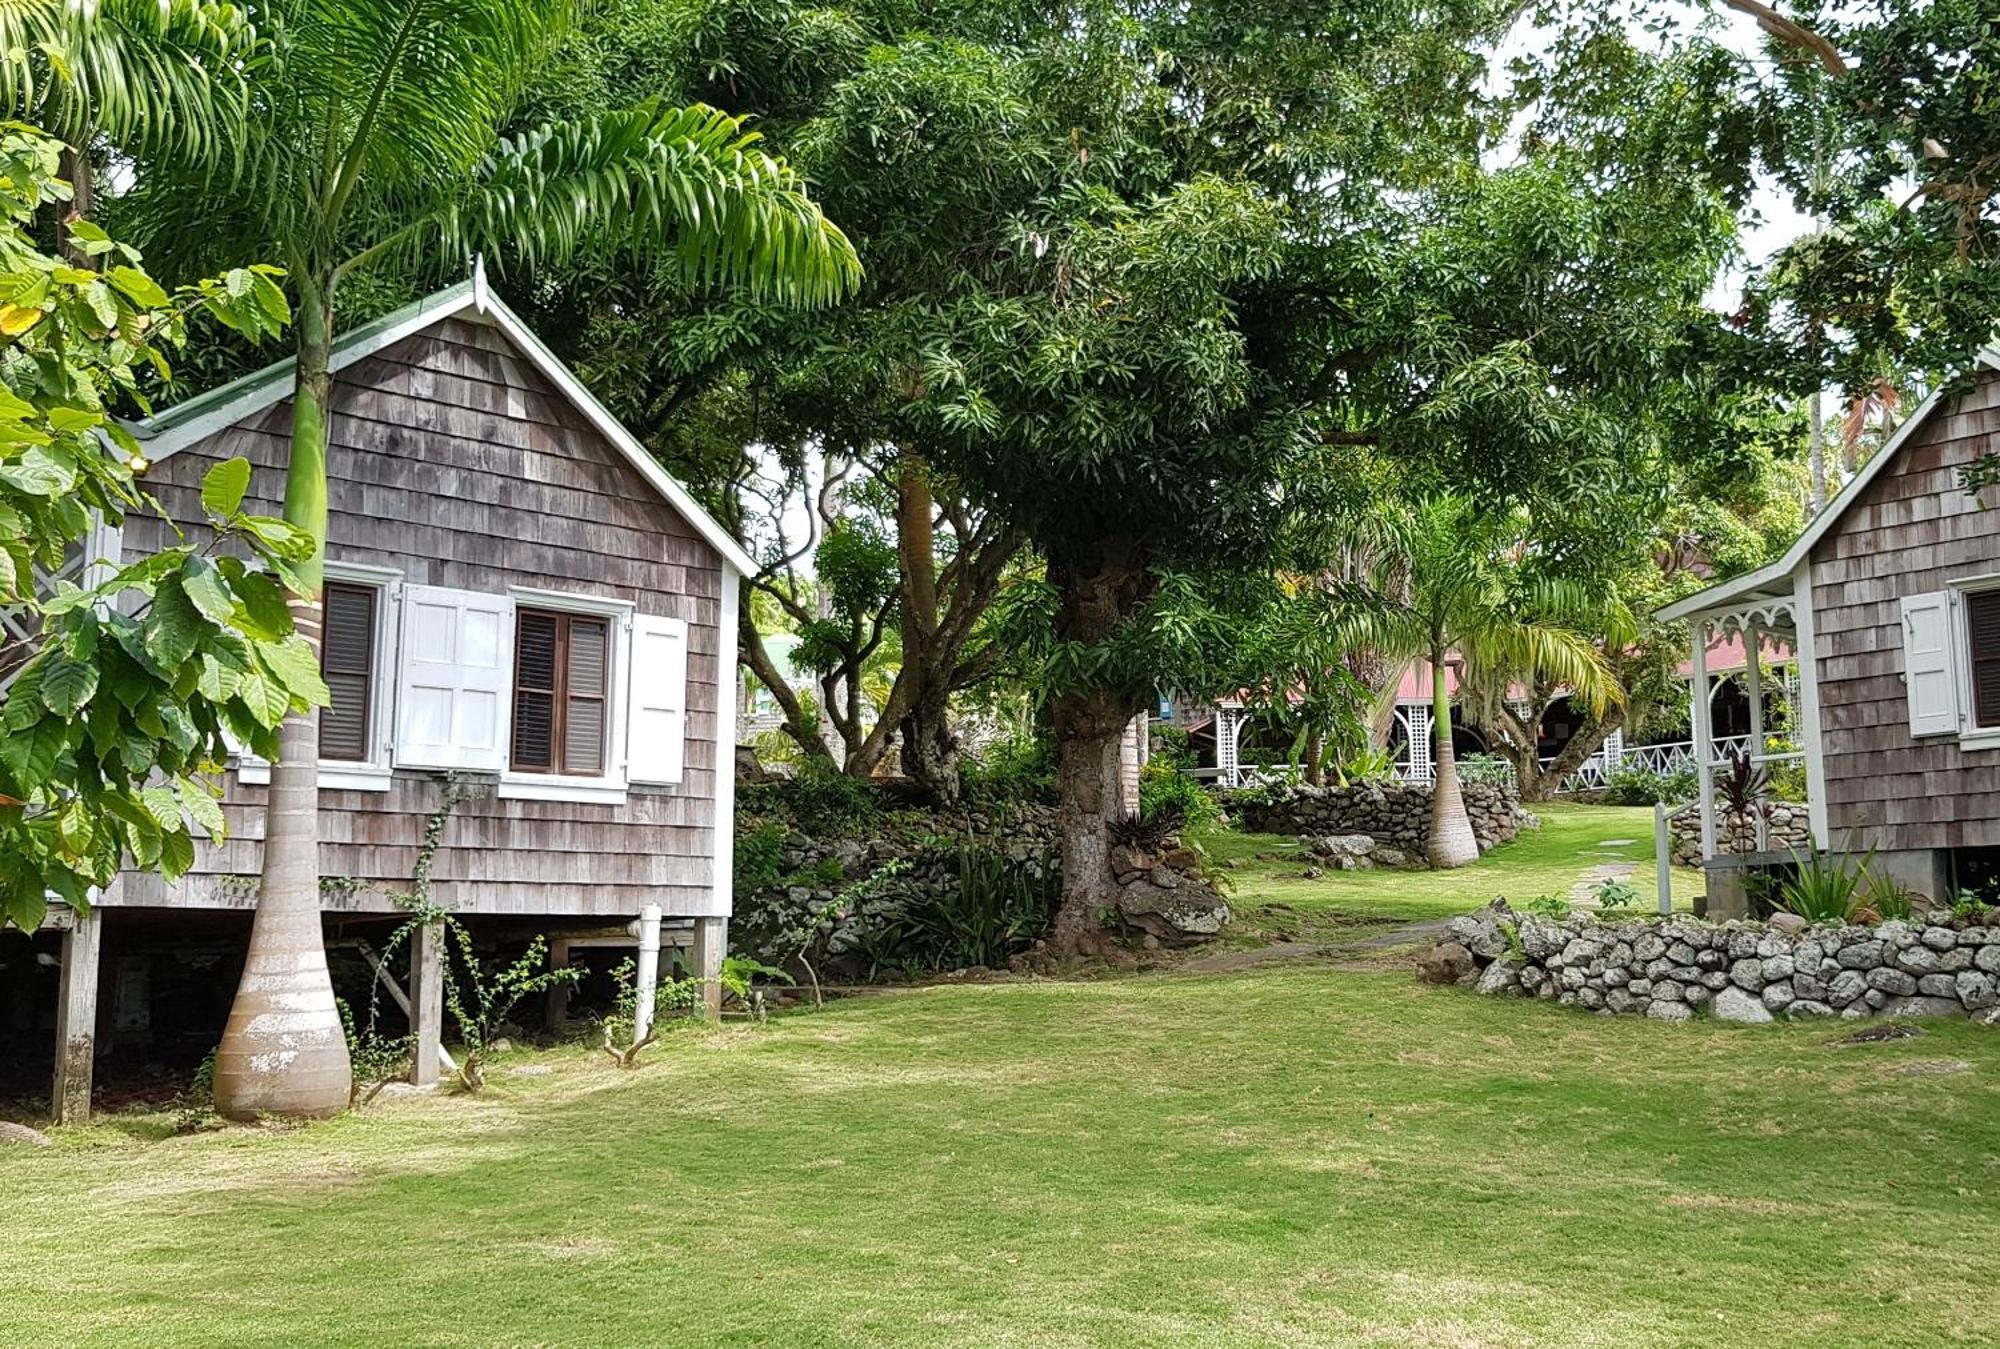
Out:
{"x": 120, "y": 685}
{"x": 480, "y": 999}
{"x": 998, "y": 907}
{"x": 372, "y": 139}
{"x": 1743, "y": 785}
{"x": 1477, "y": 602}
{"x": 673, "y": 996}
{"x": 1165, "y": 791}
{"x": 1615, "y": 893}
{"x": 1824, "y": 887}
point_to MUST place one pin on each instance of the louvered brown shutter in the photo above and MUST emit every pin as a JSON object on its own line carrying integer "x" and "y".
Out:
{"x": 347, "y": 662}
{"x": 1982, "y": 608}
{"x": 584, "y": 689}
{"x": 537, "y": 667}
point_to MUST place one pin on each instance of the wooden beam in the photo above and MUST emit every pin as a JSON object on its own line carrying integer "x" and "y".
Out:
{"x": 426, "y": 1003}
{"x": 711, "y": 942}
{"x": 76, "y": 1019}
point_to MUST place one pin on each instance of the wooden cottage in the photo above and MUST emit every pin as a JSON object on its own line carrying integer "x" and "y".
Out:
{"x": 517, "y": 595}
{"x": 1891, "y": 601}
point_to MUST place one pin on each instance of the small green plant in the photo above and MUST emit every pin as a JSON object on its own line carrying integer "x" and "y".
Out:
{"x": 672, "y": 997}
{"x": 759, "y": 858}
{"x": 1615, "y": 893}
{"x": 377, "y": 1059}
{"x": 1548, "y": 906}
{"x": 1969, "y": 907}
{"x": 1016, "y": 768}
{"x": 1368, "y": 765}
{"x": 480, "y": 1000}
{"x": 1823, "y": 888}
{"x": 1145, "y": 833}
{"x": 1888, "y": 897}
{"x": 1488, "y": 768}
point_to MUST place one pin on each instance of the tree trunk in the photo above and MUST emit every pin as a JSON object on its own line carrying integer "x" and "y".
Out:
{"x": 1089, "y": 732}
{"x": 1099, "y": 591}
{"x": 284, "y": 1051}
{"x": 1315, "y": 758}
{"x": 1452, "y": 843}
{"x": 930, "y": 749}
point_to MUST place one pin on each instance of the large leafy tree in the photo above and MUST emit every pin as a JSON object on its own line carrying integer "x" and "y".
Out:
{"x": 119, "y": 684}
{"x": 372, "y": 137}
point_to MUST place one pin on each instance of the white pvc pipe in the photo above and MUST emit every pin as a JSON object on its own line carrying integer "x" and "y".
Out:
{"x": 648, "y": 981}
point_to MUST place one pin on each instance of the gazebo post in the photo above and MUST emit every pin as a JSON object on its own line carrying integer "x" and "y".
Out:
{"x": 1753, "y": 687}
{"x": 1704, "y": 741}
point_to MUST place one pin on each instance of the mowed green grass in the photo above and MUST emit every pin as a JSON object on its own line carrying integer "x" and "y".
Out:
{"x": 1279, "y": 1157}
{"x": 1550, "y": 860}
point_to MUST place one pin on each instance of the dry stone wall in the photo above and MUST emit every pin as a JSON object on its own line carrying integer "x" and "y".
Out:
{"x": 1787, "y": 827}
{"x": 1397, "y": 815}
{"x": 1672, "y": 969}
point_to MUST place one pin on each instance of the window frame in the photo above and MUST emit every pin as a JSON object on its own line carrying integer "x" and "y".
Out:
{"x": 370, "y": 707}
{"x": 1972, "y": 736}
{"x": 610, "y": 787}
{"x": 374, "y": 773}
{"x": 560, "y": 695}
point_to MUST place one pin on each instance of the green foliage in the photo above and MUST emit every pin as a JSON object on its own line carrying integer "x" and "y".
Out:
{"x": 1489, "y": 768}
{"x": 1172, "y": 746}
{"x": 377, "y": 1059}
{"x": 759, "y": 857}
{"x": 1018, "y": 768}
{"x": 1634, "y": 784}
{"x": 1614, "y": 893}
{"x": 825, "y": 800}
{"x": 1164, "y": 789}
{"x": 480, "y": 999}
{"x": 675, "y": 998}
{"x": 1824, "y": 887}
{"x": 120, "y": 704}
{"x": 998, "y": 908}
{"x": 1548, "y": 906}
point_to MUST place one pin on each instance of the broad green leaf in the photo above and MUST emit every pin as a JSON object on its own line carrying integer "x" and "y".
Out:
{"x": 161, "y": 804}
{"x": 68, "y": 685}
{"x": 265, "y": 614}
{"x": 201, "y": 806}
{"x": 176, "y": 853}
{"x": 223, "y": 487}
{"x": 293, "y": 664}
{"x": 172, "y": 627}
{"x": 75, "y": 826}
{"x": 40, "y": 472}
{"x": 206, "y": 590}
{"x": 141, "y": 289}
{"x": 267, "y": 700}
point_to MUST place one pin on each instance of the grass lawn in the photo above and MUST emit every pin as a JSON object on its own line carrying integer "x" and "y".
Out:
{"x": 1277, "y": 1157}
{"x": 1546, "y": 861}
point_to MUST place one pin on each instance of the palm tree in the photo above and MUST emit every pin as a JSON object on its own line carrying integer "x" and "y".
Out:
{"x": 1474, "y": 600}
{"x": 370, "y": 135}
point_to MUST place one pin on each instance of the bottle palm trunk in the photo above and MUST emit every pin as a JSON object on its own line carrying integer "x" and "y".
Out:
{"x": 284, "y": 1051}
{"x": 1452, "y": 843}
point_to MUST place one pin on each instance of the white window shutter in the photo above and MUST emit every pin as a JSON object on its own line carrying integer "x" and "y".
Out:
{"x": 656, "y": 700}
{"x": 457, "y": 671}
{"x": 1930, "y": 664}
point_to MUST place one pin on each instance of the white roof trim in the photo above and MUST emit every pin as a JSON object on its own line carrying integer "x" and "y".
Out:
{"x": 202, "y": 417}
{"x": 1777, "y": 574}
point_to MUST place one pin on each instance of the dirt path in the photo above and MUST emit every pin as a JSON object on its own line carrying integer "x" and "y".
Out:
{"x": 1226, "y": 962}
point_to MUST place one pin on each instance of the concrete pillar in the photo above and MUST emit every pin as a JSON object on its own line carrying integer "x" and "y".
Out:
{"x": 711, "y": 943}
{"x": 427, "y": 958}
{"x": 556, "y": 1013}
{"x": 76, "y": 1019}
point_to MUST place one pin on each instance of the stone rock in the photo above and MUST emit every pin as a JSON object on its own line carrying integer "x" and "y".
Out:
{"x": 1917, "y": 960}
{"x": 1956, "y": 959}
{"x": 1847, "y": 986}
{"x": 1541, "y": 938}
{"x": 1809, "y": 988}
{"x": 1532, "y": 977}
{"x": 1696, "y": 995}
{"x": 1988, "y": 1017}
{"x": 1742, "y": 944}
{"x": 1622, "y": 1002}
{"x": 1499, "y": 977}
{"x": 1892, "y": 981}
{"x": 1779, "y": 996}
{"x": 1734, "y": 1004}
{"x": 1856, "y": 1011}
{"x": 1865, "y": 955}
{"x": 1747, "y": 973}
{"x": 1670, "y": 1011}
{"x": 1788, "y": 923}
{"x": 1184, "y": 912}
{"x": 1591, "y": 998}
{"x": 1571, "y": 977}
{"x": 1445, "y": 963}
{"x": 1680, "y": 953}
{"x": 1711, "y": 960}
{"x": 1649, "y": 947}
{"x": 1876, "y": 999}
{"x": 1987, "y": 958}
{"x": 1895, "y": 934}
{"x": 1802, "y": 1008}
{"x": 1580, "y": 951}
{"x": 1778, "y": 967}
{"x": 1616, "y": 977}
{"x": 1922, "y": 1007}
{"x": 1975, "y": 990}
{"x": 22, "y": 1135}
{"x": 1640, "y": 988}
{"x": 1938, "y": 985}
{"x": 1667, "y": 992}
{"x": 1939, "y": 938}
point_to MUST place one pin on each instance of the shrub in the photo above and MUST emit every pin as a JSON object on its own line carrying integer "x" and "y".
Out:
{"x": 1634, "y": 784}
{"x": 1016, "y": 768}
{"x": 998, "y": 908}
{"x": 1485, "y": 768}
{"x": 1171, "y": 746}
{"x": 825, "y": 800}
{"x": 1614, "y": 893}
{"x": 1149, "y": 835}
{"x": 1163, "y": 787}
{"x": 759, "y": 858}
{"x": 1548, "y": 906}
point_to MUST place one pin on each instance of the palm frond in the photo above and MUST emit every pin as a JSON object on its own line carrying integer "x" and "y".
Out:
{"x": 687, "y": 184}
{"x": 153, "y": 76}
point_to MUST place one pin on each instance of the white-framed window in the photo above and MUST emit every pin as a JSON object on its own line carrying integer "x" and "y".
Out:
{"x": 1951, "y": 661}
{"x": 569, "y": 674}
{"x": 359, "y": 642}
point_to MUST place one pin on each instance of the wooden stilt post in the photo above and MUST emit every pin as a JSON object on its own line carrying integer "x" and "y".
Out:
{"x": 711, "y": 942}
{"x": 556, "y": 1013}
{"x": 76, "y": 1019}
{"x": 427, "y": 1003}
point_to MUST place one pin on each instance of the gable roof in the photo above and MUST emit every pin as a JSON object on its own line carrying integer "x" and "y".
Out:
{"x": 200, "y": 417}
{"x": 1771, "y": 573}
